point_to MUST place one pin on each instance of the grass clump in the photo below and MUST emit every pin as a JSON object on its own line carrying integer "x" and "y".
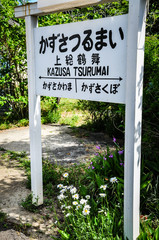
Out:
{"x": 3, "y": 217}
{"x": 27, "y": 204}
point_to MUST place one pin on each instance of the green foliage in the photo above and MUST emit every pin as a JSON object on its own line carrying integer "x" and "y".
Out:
{"x": 93, "y": 12}
{"x": 71, "y": 121}
{"x": 68, "y": 105}
{"x": 101, "y": 215}
{"x": 4, "y": 126}
{"x": 148, "y": 230}
{"x": 153, "y": 18}
{"x": 13, "y": 79}
{"x": 105, "y": 116}
{"x": 2, "y": 217}
{"x": 106, "y": 166}
{"x": 23, "y": 122}
{"x": 102, "y": 186}
{"x": 16, "y": 123}
{"x": 49, "y": 110}
{"x": 150, "y": 103}
{"x": 27, "y": 204}
{"x": 50, "y": 174}
{"x": 88, "y": 218}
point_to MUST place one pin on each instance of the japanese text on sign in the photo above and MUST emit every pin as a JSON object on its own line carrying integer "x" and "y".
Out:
{"x": 87, "y": 43}
{"x": 84, "y": 60}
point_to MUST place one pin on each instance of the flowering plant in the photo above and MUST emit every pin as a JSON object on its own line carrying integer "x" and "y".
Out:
{"x": 105, "y": 175}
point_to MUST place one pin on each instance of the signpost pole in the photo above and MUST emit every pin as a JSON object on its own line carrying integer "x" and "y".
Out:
{"x": 133, "y": 126}
{"x": 34, "y": 115}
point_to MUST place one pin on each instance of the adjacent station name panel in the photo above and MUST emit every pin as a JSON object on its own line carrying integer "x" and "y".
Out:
{"x": 83, "y": 60}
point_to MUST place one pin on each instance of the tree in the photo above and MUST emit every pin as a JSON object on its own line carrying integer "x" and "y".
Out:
{"x": 13, "y": 64}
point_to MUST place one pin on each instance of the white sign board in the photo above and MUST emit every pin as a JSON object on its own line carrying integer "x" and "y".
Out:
{"x": 83, "y": 60}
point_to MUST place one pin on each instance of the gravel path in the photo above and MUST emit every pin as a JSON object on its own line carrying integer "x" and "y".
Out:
{"x": 59, "y": 143}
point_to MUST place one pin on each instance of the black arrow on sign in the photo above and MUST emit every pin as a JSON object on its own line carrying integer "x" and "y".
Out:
{"x": 119, "y": 78}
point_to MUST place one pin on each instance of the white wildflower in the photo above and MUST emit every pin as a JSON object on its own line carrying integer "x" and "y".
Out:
{"x": 61, "y": 197}
{"x": 75, "y": 196}
{"x": 68, "y": 214}
{"x": 68, "y": 207}
{"x": 63, "y": 190}
{"x": 113, "y": 180}
{"x": 86, "y": 211}
{"x": 75, "y": 203}
{"x": 63, "y": 206}
{"x": 101, "y": 211}
{"x": 87, "y": 206}
{"x": 65, "y": 175}
{"x": 102, "y": 194}
{"x": 69, "y": 187}
{"x": 87, "y": 196}
{"x": 73, "y": 190}
{"x": 60, "y": 186}
{"x": 83, "y": 201}
{"x": 78, "y": 207}
{"x": 103, "y": 187}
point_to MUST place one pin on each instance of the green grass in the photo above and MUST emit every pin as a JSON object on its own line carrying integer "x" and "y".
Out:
{"x": 7, "y": 125}
{"x": 2, "y": 217}
{"x": 67, "y": 105}
{"x": 70, "y": 114}
{"x": 66, "y": 113}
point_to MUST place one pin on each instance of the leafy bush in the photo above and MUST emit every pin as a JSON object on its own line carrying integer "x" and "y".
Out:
{"x": 23, "y": 122}
{"x": 105, "y": 117}
{"x": 150, "y": 104}
{"x": 13, "y": 78}
{"x": 49, "y": 110}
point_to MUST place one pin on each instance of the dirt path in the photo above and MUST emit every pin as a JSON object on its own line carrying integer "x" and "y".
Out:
{"x": 59, "y": 143}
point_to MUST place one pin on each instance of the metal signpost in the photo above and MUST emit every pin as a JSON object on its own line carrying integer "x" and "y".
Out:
{"x": 101, "y": 61}
{"x": 133, "y": 118}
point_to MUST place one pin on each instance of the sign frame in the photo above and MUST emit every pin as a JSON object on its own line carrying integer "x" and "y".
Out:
{"x": 133, "y": 119}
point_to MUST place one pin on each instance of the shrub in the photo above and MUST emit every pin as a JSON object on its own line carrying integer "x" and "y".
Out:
{"x": 49, "y": 110}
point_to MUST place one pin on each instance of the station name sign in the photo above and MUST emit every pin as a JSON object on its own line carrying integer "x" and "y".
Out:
{"x": 83, "y": 60}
